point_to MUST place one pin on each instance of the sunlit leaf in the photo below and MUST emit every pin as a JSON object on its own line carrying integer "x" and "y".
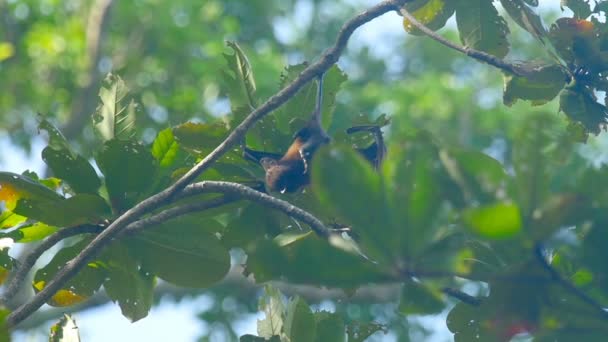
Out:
{"x": 78, "y": 209}
{"x": 432, "y": 13}
{"x": 496, "y": 221}
{"x": 114, "y": 118}
{"x": 165, "y": 148}
{"x": 271, "y": 303}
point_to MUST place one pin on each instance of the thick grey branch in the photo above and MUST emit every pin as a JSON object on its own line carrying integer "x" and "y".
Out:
{"x": 330, "y": 57}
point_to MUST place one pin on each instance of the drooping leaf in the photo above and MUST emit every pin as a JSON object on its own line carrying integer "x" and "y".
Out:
{"x": 78, "y": 209}
{"x": 114, "y": 118}
{"x": 525, "y": 17}
{"x": 239, "y": 83}
{"x": 185, "y": 255}
{"x": 580, "y": 8}
{"x": 580, "y": 105}
{"x": 432, "y": 13}
{"x": 271, "y": 303}
{"x": 299, "y": 324}
{"x": 481, "y": 27}
{"x": 340, "y": 179}
{"x": 66, "y": 164}
{"x": 65, "y": 330}
{"x": 126, "y": 283}
{"x": 77, "y": 289}
{"x": 540, "y": 85}
{"x": 495, "y": 221}
{"x": 129, "y": 169}
{"x": 200, "y": 138}
{"x": 416, "y": 298}
{"x": 165, "y": 148}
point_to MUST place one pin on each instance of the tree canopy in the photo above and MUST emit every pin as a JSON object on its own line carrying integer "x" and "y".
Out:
{"x": 480, "y": 205}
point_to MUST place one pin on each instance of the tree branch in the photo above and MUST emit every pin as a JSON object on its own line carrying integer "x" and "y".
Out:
{"x": 242, "y": 191}
{"x": 538, "y": 253}
{"x": 328, "y": 58}
{"x": 476, "y": 54}
{"x": 20, "y": 271}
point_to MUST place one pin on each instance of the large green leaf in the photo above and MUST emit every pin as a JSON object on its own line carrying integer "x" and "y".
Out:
{"x": 412, "y": 173}
{"x": 78, "y": 209}
{"x": 129, "y": 169}
{"x": 14, "y": 187}
{"x": 66, "y": 164}
{"x": 31, "y": 232}
{"x": 200, "y": 138}
{"x": 114, "y": 118}
{"x": 540, "y": 85}
{"x": 77, "y": 289}
{"x": 185, "y": 255}
{"x": 300, "y": 324}
{"x": 305, "y": 258}
{"x": 330, "y": 327}
{"x": 126, "y": 283}
{"x": 348, "y": 185}
{"x": 481, "y": 27}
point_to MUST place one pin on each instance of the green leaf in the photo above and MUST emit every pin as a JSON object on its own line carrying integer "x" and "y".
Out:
{"x": 65, "y": 330}
{"x": 271, "y": 303}
{"x": 307, "y": 259}
{"x": 35, "y": 232}
{"x": 114, "y": 118}
{"x": 580, "y": 105}
{"x": 165, "y": 148}
{"x": 4, "y": 332}
{"x": 126, "y": 283}
{"x": 77, "y": 289}
{"x": 359, "y": 331}
{"x": 330, "y": 327}
{"x": 67, "y": 165}
{"x": 495, "y": 221}
{"x": 78, "y": 209}
{"x": 540, "y": 85}
{"x": 412, "y": 173}
{"x": 340, "y": 179}
{"x": 432, "y": 13}
{"x": 481, "y": 27}
{"x": 525, "y": 17}
{"x": 417, "y": 298}
{"x": 239, "y": 82}
{"x": 14, "y": 187}
{"x": 581, "y": 8}
{"x": 129, "y": 169}
{"x": 200, "y": 138}
{"x": 303, "y": 103}
{"x": 186, "y": 255}
{"x": 9, "y": 219}
{"x": 300, "y": 324}
{"x": 6, "y": 264}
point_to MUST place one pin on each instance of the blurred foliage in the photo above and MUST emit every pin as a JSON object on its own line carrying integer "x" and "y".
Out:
{"x": 470, "y": 187}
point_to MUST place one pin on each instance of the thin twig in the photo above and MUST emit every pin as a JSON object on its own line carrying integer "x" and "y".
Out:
{"x": 242, "y": 191}
{"x": 461, "y": 296}
{"x": 538, "y": 253}
{"x": 329, "y": 58}
{"x": 476, "y": 54}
